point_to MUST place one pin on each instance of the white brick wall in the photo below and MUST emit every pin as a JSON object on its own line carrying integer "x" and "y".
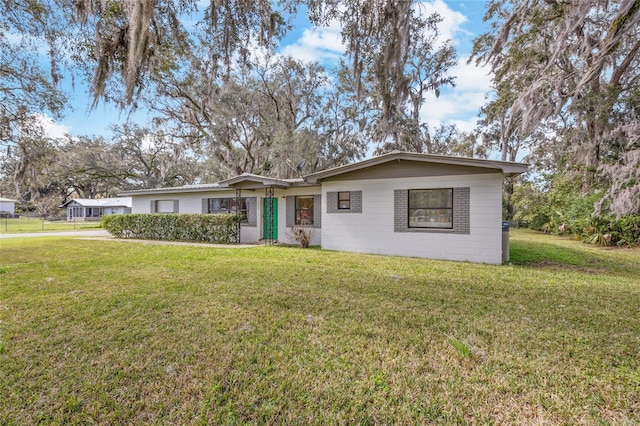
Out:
{"x": 372, "y": 231}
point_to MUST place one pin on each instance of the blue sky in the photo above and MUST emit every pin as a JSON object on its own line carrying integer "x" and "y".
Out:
{"x": 462, "y": 22}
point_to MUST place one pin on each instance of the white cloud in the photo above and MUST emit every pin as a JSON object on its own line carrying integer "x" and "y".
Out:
{"x": 51, "y": 128}
{"x": 471, "y": 77}
{"x": 317, "y": 44}
{"x": 461, "y": 104}
{"x": 451, "y": 19}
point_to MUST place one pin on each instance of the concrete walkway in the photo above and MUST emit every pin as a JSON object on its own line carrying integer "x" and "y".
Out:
{"x": 95, "y": 233}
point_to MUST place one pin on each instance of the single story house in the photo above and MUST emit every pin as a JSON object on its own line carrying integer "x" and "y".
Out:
{"x": 403, "y": 204}
{"x": 7, "y": 207}
{"x": 88, "y": 209}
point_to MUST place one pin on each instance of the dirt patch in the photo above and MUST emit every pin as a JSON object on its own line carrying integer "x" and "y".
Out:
{"x": 563, "y": 267}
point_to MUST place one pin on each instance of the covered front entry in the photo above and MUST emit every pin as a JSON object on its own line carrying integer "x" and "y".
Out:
{"x": 270, "y": 219}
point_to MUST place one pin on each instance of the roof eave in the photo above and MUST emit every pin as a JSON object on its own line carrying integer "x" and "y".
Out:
{"x": 169, "y": 190}
{"x": 507, "y": 168}
{"x": 259, "y": 184}
{"x": 260, "y": 181}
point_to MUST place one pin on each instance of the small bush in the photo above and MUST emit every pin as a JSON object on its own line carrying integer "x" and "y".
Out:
{"x": 302, "y": 235}
{"x": 208, "y": 228}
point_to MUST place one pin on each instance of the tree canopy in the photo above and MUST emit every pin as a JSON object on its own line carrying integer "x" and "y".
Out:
{"x": 566, "y": 78}
{"x": 212, "y": 80}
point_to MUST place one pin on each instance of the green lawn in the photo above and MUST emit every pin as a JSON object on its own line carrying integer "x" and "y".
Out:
{"x": 16, "y": 226}
{"x": 111, "y": 332}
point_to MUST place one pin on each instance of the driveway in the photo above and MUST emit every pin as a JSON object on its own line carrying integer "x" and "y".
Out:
{"x": 95, "y": 233}
{"x": 104, "y": 235}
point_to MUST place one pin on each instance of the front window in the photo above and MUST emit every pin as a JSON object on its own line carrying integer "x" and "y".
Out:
{"x": 304, "y": 210}
{"x": 344, "y": 200}
{"x": 164, "y": 206}
{"x": 228, "y": 205}
{"x": 431, "y": 208}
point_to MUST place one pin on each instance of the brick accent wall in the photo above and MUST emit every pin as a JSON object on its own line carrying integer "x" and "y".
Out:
{"x": 356, "y": 202}
{"x": 461, "y": 213}
{"x": 291, "y": 211}
{"x": 461, "y": 209}
{"x": 400, "y": 210}
{"x": 317, "y": 211}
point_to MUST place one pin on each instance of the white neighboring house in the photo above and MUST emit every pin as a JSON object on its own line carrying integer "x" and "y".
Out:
{"x": 403, "y": 204}
{"x": 87, "y": 209}
{"x": 7, "y": 207}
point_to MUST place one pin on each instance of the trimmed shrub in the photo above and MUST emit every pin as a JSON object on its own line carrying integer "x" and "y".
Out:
{"x": 207, "y": 228}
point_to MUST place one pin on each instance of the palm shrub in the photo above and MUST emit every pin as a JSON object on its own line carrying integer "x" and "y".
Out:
{"x": 562, "y": 208}
{"x": 612, "y": 231}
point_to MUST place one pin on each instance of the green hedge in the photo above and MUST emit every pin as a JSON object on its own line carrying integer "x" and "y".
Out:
{"x": 208, "y": 228}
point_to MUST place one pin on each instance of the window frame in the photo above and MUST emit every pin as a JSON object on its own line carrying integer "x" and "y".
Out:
{"x": 299, "y": 211}
{"x": 428, "y": 207}
{"x": 158, "y": 203}
{"x": 244, "y": 207}
{"x": 347, "y": 200}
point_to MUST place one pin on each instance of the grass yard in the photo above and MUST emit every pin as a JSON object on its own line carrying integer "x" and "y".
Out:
{"x": 110, "y": 332}
{"x": 15, "y": 226}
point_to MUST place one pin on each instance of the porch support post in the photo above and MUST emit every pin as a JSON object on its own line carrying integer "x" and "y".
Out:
{"x": 238, "y": 214}
{"x": 268, "y": 216}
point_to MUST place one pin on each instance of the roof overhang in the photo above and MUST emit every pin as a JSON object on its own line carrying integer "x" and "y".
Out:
{"x": 245, "y": 181}
{"x": 99, "y": 202}
{"x": 173, "y": 190}
{"x": 251, "y": 181}
{"x": 508, "y": 168}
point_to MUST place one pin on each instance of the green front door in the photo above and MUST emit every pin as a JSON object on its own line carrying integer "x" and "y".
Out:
{"x": 270, "y": 218}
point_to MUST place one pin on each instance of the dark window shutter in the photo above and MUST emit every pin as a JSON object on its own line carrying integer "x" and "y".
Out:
{"x": 461, "y": 210}
{"x": 252, "y": 211}
{"x": 356, "y": 201}
{"x": 400, "y": 210}
{"x": 332, "y": 202}
{"x": 317, "y": 211}
{"x": 291, "y": 210}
